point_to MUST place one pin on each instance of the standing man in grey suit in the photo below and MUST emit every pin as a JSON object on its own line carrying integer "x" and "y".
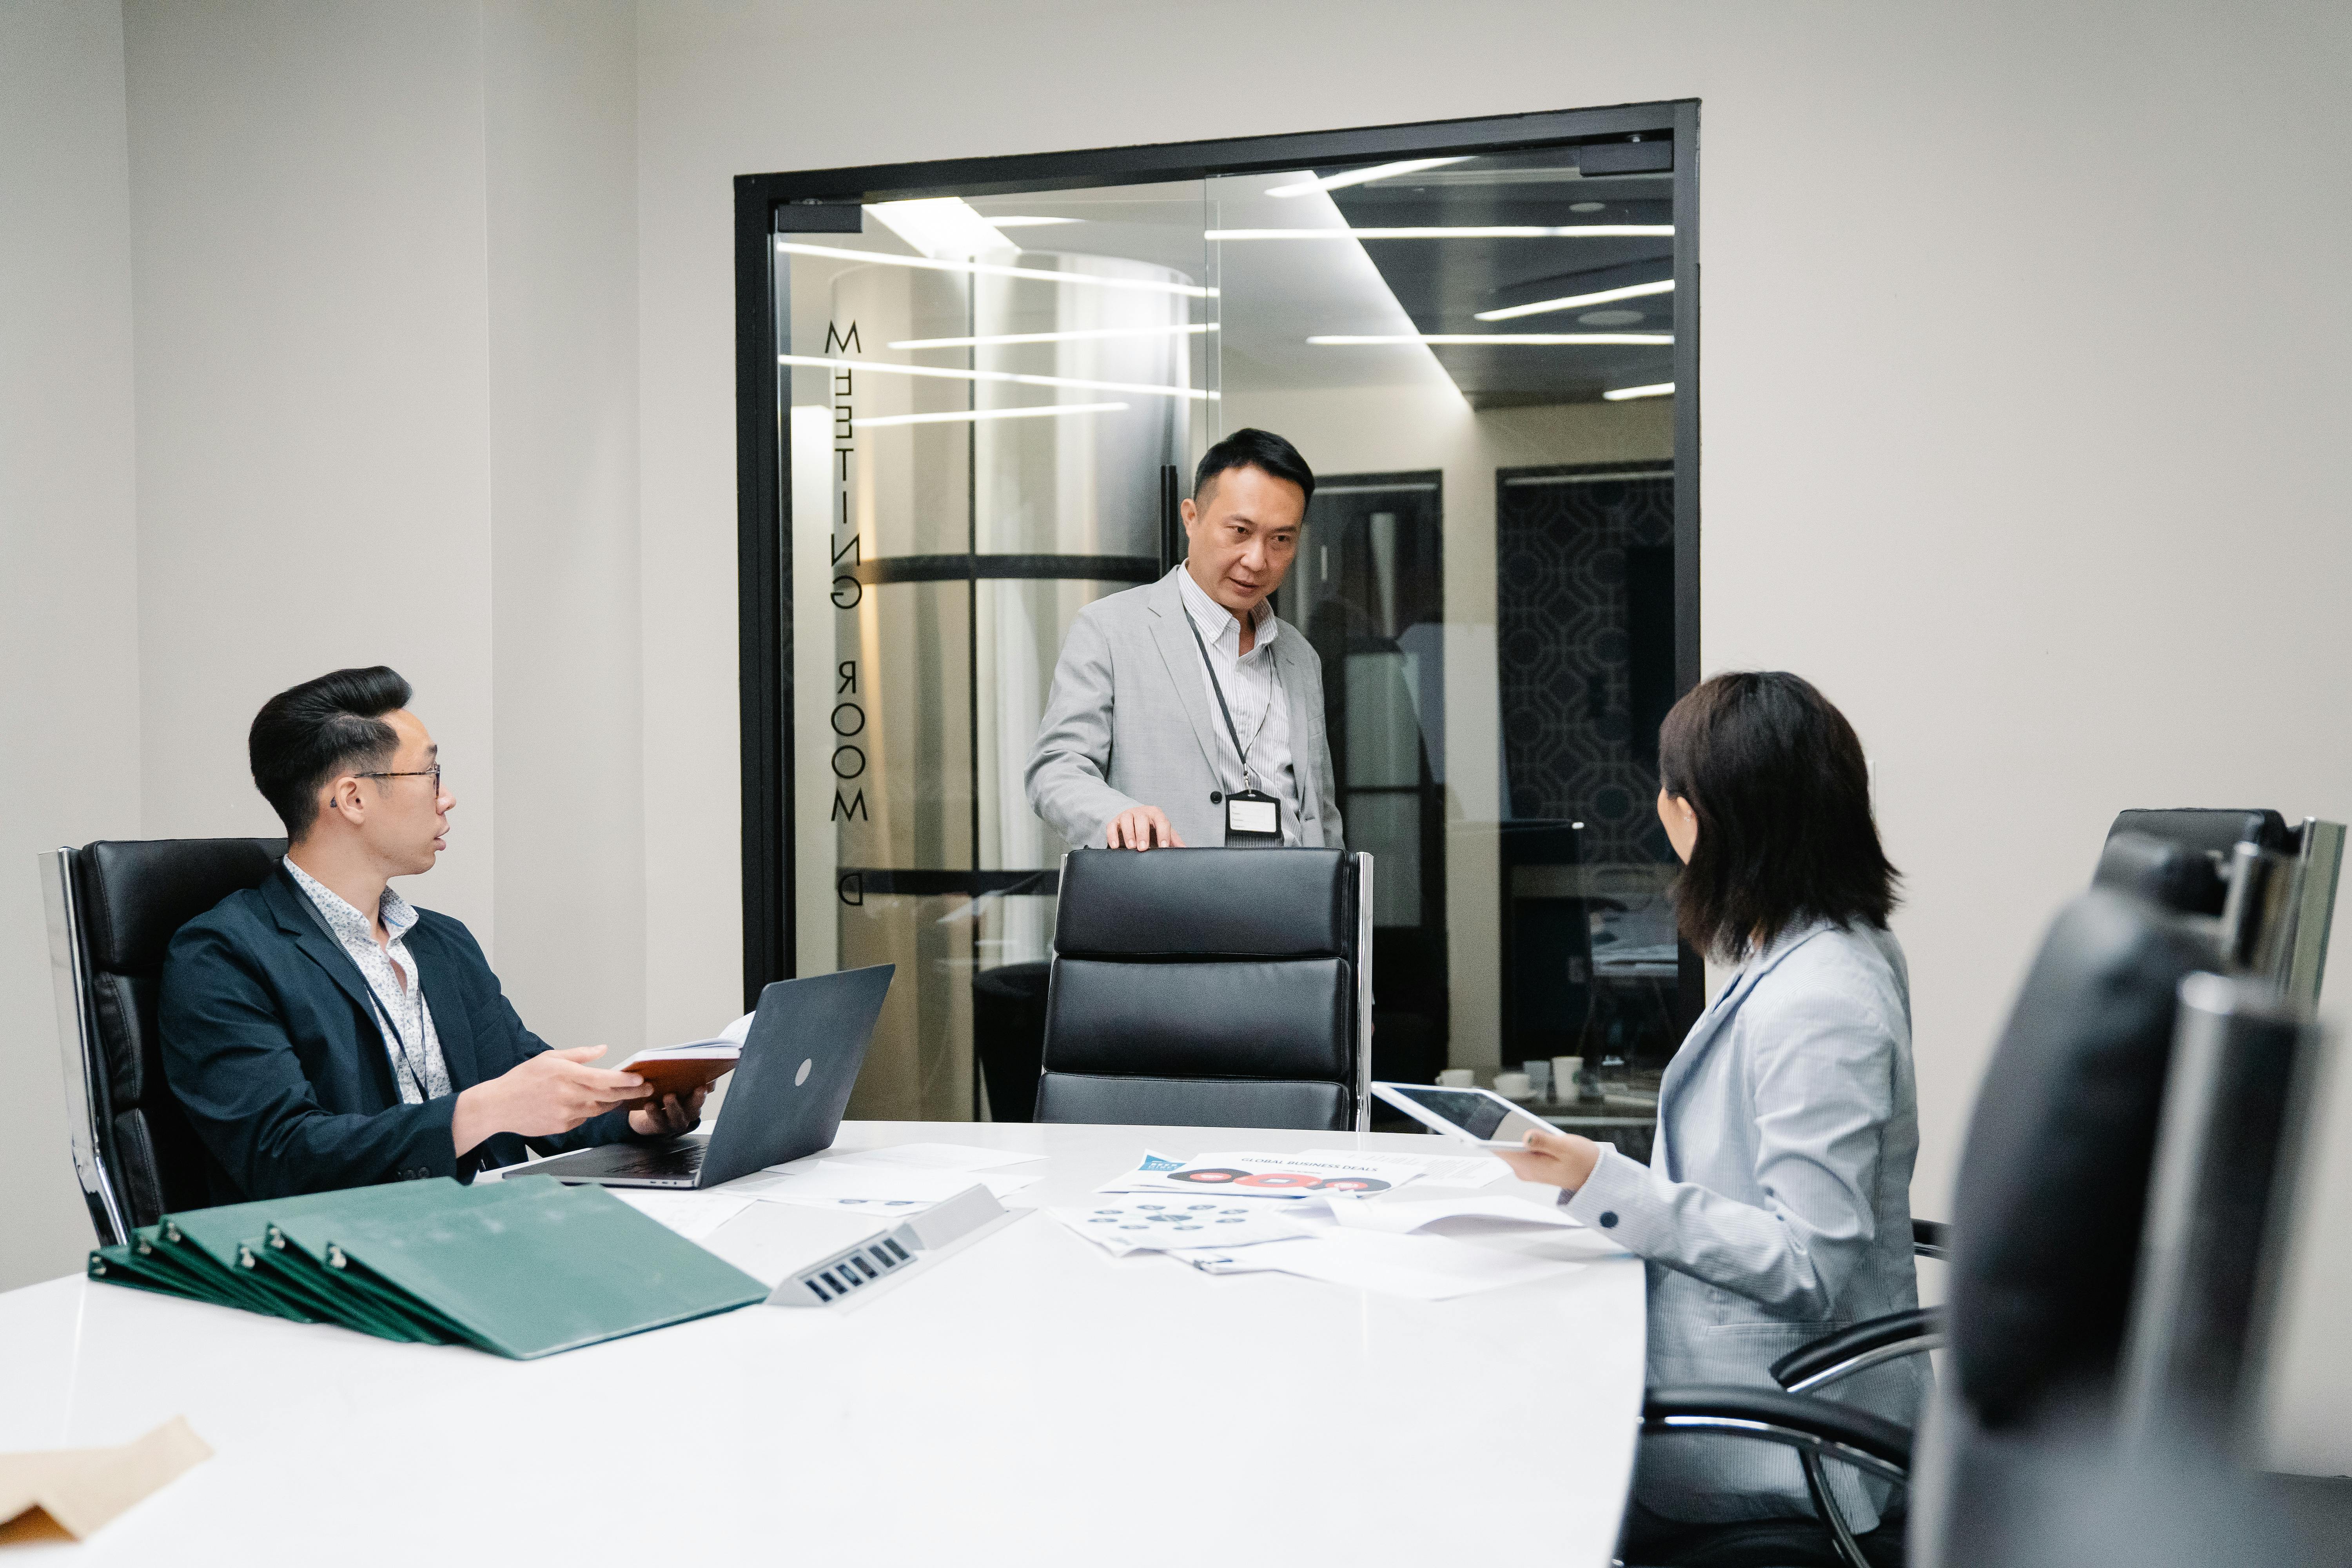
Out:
{"x": 1185, "y": 712}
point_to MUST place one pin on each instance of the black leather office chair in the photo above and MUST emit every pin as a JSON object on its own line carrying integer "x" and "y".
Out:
{"x": 113, "y": 907}
{"x": 1211, "y": 988}
{"x": 2271, "y": 888}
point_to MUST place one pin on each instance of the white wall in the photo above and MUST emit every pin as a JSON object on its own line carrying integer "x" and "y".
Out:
{"x": 2022, "y": 393}
{"x": 68, "y": 565}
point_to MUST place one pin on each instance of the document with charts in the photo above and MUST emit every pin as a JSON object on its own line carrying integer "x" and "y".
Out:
{"x": 1260, "y": 1175}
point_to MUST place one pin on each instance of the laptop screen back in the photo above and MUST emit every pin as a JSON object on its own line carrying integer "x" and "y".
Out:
{"x": 799, "y": 1061}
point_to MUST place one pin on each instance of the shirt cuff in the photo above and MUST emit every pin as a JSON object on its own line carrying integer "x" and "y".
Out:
{"x": 1614, "y": 1200}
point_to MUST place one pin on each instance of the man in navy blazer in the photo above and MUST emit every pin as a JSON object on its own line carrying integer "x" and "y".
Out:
{"x": 321, "y": 1031}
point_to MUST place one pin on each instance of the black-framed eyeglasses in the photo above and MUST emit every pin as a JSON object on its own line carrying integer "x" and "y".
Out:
{"x": 433, "y": 773}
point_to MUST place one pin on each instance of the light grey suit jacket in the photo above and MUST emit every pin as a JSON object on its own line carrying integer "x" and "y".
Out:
{"x": 1128, "y": 723}
{"x": 1776, "y": 1207}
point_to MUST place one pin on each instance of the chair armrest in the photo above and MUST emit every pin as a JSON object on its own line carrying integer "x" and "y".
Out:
{"x": 1931, "y": 1238}
{"x": 1864, "y": 1345}
{"x": 1820, "y": 1427}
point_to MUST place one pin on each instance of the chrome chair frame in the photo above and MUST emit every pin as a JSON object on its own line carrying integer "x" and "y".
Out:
{"x": 87, "y": 1103}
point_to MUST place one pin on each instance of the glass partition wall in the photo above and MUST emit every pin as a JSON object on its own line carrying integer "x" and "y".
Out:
{"x": 990, "y": 382}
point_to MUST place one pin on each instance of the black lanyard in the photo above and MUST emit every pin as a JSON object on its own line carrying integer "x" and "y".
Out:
{"x": 382, "y": 1014}
{"x": 1240, "y": 750}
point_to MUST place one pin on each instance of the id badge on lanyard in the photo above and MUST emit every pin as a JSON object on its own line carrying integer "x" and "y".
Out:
{"x": 1252, "y": 817}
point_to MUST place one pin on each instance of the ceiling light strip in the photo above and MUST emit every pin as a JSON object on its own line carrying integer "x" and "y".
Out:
{"x": 1075, "y": 335}
{"x": 970, "y": 416}
{"x": 988, "y": 269}
{"x": 1499, "y": 339}
{"x": 1364, "y": 176}
{"x": 1481, "y": 231}
{"x": 1622, "y": 394}
{"x": 814, "y": 362}
{"x": 1577, "y": 301}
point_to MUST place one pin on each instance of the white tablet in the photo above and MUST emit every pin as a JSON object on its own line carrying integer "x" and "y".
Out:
{"x": 1477, "y": 1116}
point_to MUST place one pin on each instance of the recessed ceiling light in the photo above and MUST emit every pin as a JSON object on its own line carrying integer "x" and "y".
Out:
{"x": 1504, "y": 340}
{"x": 1621, "y": 393}
{"x": 1575, "y": 301}
{"x": 1075, "y": 335}
{"x": 968, "y": 415}
{"x": 985, "y": 270}
{"x": 1589, "y": 319}
{"x": 1362, "y": 176}
{"x": 1467, "y": 231}
{"x": 1030, "y": 222}
{"x": 1585, "y": 206}
{"x": 942, "y": 373}
{"x": 942, "y": 226}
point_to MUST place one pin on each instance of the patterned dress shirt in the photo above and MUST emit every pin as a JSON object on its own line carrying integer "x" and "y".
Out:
{"x": 1253, "y": 691}
{"x": 416, "y": 1064}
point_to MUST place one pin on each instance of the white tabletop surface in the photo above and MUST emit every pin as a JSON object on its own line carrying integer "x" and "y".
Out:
{"x": 1029, "y": 1400}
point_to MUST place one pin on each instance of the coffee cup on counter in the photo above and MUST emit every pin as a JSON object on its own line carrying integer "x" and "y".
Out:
{"x": 1514, "y": 1086}
{"x": 1457, "y": 1078}
{"x": 1565, "y": 1073}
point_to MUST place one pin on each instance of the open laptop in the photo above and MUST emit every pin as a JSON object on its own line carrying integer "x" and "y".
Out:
{"x": 791, "y": 1083}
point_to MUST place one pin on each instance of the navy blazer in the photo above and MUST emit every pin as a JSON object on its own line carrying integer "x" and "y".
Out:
{"x": 272, "y": 1047}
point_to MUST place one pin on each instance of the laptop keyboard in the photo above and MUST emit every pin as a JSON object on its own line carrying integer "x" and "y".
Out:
{"x": 670, "y": 1160}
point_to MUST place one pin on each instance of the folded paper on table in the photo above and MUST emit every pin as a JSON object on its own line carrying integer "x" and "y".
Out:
{"x": 1437, "y": 1170}
{"x": 1425, "y": 1267}
{"x": 79, "y": 1489}
{"x": 1180, "y": 1221}
{"x": 1397, "y": 1218}
{"x": 692, "y": 1214}
{"x": 940, "y": 1156}
{"x": 879, "y": 1188}
{"x": 1277, "y": 1176}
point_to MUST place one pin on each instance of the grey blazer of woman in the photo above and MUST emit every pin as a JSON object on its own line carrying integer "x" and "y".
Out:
{"x": 1776, "y": 1207}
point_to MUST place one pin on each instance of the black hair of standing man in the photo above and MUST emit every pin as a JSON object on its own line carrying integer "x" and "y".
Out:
{"x": 1253, "y": 449}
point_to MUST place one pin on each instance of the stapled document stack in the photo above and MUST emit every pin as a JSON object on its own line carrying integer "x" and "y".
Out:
{"x": 520, "y": 1267}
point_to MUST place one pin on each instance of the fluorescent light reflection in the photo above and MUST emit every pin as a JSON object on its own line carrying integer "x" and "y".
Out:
{"x": 816, "y": 362}
{"x": 1506, "y": 340}
{"x": 968, "y": 415}
{"x": 1467, "y": 231}
{"x": 987, "y": 270}
{"x": 1621, "y": 393}
{"x": 1032, "y": 222}
{"x": 1076, "y": 335}
{"x": 1577, "y": 301}
{"x": 1363, "y": 176}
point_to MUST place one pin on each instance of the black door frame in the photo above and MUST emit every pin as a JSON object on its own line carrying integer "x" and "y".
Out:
{"x": 828, "y": 199}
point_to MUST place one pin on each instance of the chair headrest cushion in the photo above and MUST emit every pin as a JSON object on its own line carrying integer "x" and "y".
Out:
{"x": 135, "y": 893}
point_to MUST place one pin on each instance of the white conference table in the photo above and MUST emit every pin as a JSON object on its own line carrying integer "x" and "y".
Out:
{"x": 1028, "y": 1400}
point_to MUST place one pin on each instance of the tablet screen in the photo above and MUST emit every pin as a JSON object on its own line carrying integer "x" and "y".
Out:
{"x": 1478, "y": 1115}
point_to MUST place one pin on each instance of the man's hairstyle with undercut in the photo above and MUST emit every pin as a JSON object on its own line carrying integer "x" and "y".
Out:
{"x": 1260, "y": 449}
{"x": 309, "y": 733}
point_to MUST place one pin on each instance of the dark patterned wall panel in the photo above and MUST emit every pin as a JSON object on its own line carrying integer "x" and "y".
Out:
{"x": 1580, "y": 655}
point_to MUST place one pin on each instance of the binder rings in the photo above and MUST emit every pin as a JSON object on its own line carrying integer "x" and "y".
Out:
{"x": 521, "y": 1268}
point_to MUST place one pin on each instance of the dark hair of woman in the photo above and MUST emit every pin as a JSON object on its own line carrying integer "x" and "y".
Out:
{"x": 1777, "y": 779}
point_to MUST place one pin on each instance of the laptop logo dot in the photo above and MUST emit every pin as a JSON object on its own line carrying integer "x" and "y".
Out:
{"x": 801, "y": 1077}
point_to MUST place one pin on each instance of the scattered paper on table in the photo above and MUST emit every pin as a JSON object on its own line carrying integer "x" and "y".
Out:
{"x": 1155, "y": 1225}
{"x": 848, "y": 1184}
{"x": 76, "y": 1490}
{"x": 1398, "y": 1218}
{"x": 1437, "y": 1170}
{"x": 940, "y": 1156}
{"x": 693, "y": 1215}
{"x": 1259, "y": 1176}
{"x": 1425, "y": 1267}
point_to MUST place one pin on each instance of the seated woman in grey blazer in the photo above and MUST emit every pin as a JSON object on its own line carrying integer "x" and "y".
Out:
{"x": 1775, "y": 1205}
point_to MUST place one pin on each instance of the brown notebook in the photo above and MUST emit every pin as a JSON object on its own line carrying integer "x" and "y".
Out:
{"x": 682, "y": 1070}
